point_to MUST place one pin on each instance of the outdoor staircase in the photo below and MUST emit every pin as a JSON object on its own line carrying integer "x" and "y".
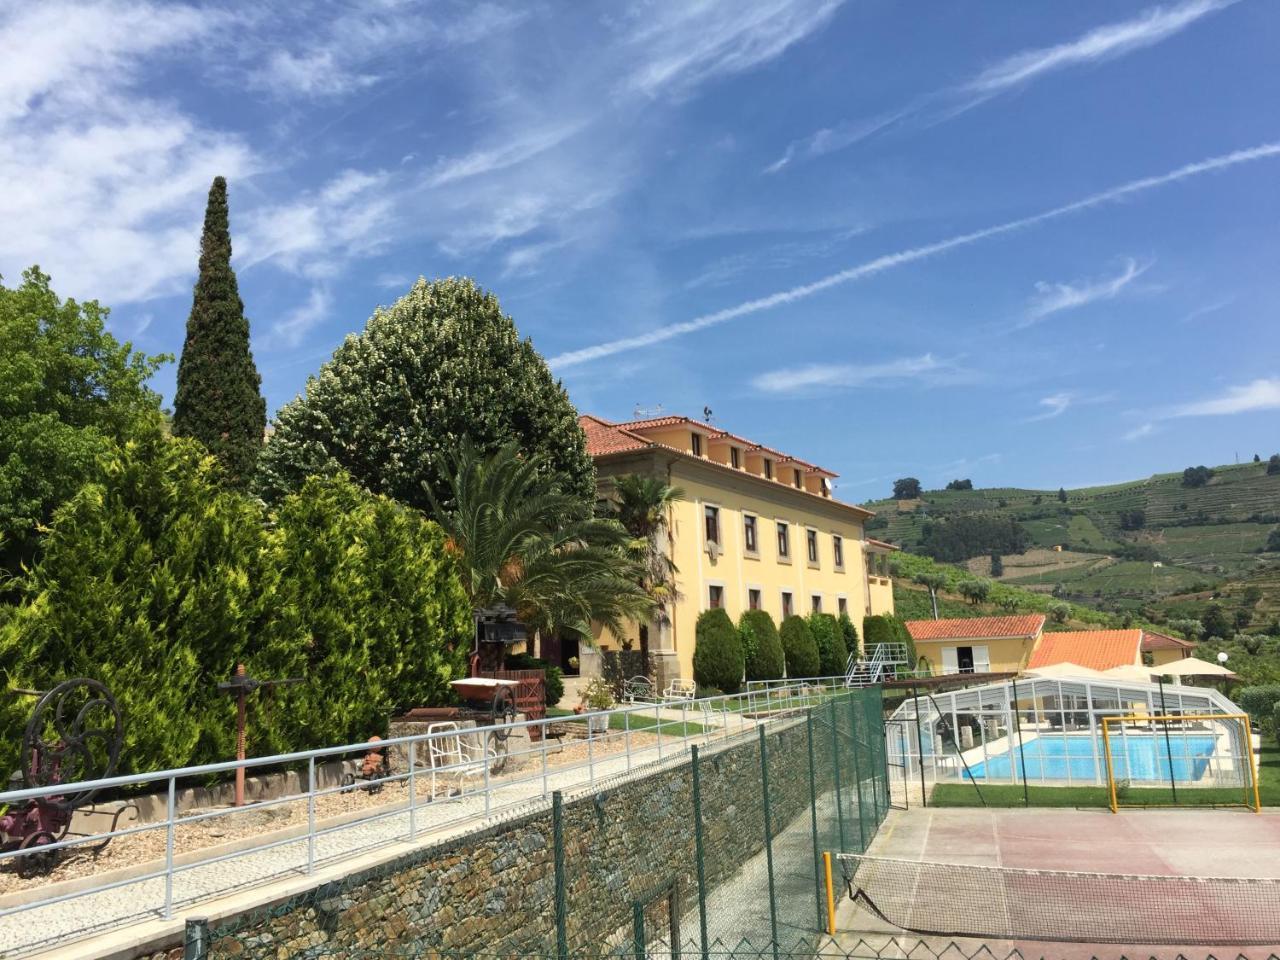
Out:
{"x": 868, "y": 671}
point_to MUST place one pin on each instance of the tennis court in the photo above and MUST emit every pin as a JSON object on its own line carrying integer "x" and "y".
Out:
{"x": 1070, "y": 883}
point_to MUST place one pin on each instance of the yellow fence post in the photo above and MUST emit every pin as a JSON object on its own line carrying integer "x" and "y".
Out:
{"x": 831, "y": 894}
{"x": 1111, "y": 773}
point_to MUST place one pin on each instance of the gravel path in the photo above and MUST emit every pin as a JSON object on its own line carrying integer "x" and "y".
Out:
{"x": 24, "y": 931}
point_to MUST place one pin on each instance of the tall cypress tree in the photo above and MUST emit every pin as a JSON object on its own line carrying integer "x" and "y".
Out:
{"x": 218, "y": 400}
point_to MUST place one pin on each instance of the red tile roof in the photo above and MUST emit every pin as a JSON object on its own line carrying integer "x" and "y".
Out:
{"x": 1158, "y": 641}
{"x": 715, "y": 433}
{"x": 1096, "y": 649}
{"x": 976, "y": 628}
{"x": 603, "y": 437}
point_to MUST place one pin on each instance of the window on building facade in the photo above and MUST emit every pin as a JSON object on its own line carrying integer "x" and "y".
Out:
{"x": 735, "y": 458}
{"x": 713, "y": 524}
{"x": 817, "y": 603}
{"x": 715, "y": 596}
{"x": 753, "y": 599}
{"x": 786, "y": 604}
{"x": 837, "y": 548}
{"x": 749, "y": 533}
{"x": 798, "y": 478}
{"x": 842, "y": 604}
{"x": 768, "y": 468}
{"x": 697, "y": 444}
{"x": 811, "y": 541}
{"x": 784, "y": 541}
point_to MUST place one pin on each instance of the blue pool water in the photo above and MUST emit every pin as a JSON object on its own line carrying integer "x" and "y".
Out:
{"x": 1135, "y": 757}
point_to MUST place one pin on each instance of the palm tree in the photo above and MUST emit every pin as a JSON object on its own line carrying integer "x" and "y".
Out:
{"x": 642, "y": 504}
{"x": 520, "y": 542}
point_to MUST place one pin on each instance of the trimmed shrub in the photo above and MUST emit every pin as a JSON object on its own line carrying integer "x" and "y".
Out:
{"x": 850, "y": 633}
{"x": 717, "y": 655}
{"x": 798, "y": 648}
{"x": 761, "y": 647}
{"x": 1260, "y": 703}
{"x": 886, "y": 628}
{"x": 832, "y": 654}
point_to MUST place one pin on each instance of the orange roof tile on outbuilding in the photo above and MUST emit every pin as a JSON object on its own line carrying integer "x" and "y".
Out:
{"x": 987, "y": 628}
{"x": 1159, "y": 641}
{"x": 1095, "y": 649}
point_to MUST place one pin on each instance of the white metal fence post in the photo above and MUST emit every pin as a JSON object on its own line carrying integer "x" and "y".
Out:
{"x": 657, "y": 726}
{"x": 626, "y": 736}
{"x": 413, "y": 790}
{"x": 168, "y": 850}
{"x": 311, "y": 814}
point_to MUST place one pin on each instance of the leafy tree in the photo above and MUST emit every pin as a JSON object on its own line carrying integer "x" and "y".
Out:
{"x": 997, "y": 565}
{"x": 441, "y": 364}
{"x": 1196, "y": 476}
{"x": 1062, "y": 495}
{"x": 906, "y": 488}
{"x": 1009, "y": 602}
{"x": 832, "y": 653}
{"x": 218, "y": 400}
{"x": 1252, "y": 594}
{"x": 761, "y": 646}
{"x": 960, "y": 485}
{"x": 1059, "y": 612}
{"x": 933, "y": 581}
{"x": 1134, "y": 519}
{"x": 717, "y": 652}
{"x": 1216, "y": 623}
{"x": 523, "y": 543}
{"x": 1273, "y": 541}
{"x": 970, "y": 535}
{"x": 642, "y": 504}
{"x": 1242, "y": 619}
{"x": 69, "y": 392}
{"x": 1257, "y": 459}
{"x": 1273, "y": 465}
{"x": 975, "y": 591}
{"x": 1191, "y": 630}
{"x": 798, "y": 648}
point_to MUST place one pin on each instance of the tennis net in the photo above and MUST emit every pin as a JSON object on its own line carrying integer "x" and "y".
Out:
{"x": 1007, "y": 903}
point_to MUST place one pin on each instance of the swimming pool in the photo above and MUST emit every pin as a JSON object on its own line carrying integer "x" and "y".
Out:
{"x": 1136, "y": 756}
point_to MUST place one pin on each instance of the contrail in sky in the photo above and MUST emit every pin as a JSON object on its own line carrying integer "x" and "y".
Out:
{"x": 891, "y": 260}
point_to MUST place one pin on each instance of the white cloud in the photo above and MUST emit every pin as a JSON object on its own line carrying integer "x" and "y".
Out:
{"x": 1096, "y": 46}
{"x": 313, "y": 74}
{"x": 1260, "y": 394}
{"x": 1137, "y": 433}
{"x": 104, "y": 187}
{"x": 844, "y": 376}
{"x": 910, "y": 255}
{"x": 299, "y": 321}
{"x": 1053, "y": 298}
{"x": 1055, "y": 406}
{"x": 678, "y": 46}
{"x": 393, "y": 281}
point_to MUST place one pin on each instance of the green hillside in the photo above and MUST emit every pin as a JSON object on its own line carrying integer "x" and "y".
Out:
{"x": 1140, "y": 546}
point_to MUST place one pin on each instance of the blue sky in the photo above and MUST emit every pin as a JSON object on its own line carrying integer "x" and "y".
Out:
{"x": 1032, "y": 244}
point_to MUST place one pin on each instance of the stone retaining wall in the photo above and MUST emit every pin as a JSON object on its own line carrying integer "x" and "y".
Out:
{"x": 494, "y": 890}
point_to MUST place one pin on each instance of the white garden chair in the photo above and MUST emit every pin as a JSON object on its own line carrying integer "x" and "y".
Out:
{"x": 680, "y": 690}
{"x": 454, "y": 757}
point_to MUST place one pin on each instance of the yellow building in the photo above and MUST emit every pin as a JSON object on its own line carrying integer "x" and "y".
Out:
{"x": 977, "y": 644}
{"x": 757, "y": 529}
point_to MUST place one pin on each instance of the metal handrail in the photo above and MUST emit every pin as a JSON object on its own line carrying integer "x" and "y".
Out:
{"x": 780, "y": 702}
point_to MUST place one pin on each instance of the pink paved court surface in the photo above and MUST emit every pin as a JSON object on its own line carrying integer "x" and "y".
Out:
{"x": 1214, "y": 918}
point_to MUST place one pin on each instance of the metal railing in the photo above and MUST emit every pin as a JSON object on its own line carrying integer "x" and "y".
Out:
{"x": 638, "y": 734}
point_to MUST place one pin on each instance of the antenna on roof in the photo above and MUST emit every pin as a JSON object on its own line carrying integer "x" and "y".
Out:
{"x": 644, "y": 413}
{"x": 706, "y": 414}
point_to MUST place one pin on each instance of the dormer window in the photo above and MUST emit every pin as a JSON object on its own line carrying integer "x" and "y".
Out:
{"x": 768, "y": 468}
{"x": 735, "y": 458}
{"x": 798, "y": 478}
{"x": 697, "y": 444}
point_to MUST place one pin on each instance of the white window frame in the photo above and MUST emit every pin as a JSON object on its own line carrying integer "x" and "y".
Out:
{"x": 815, "y": 563}
{"x": 753, "y": 552}
{"x": 724, "y": 595}
{"x": 782, "y": 557}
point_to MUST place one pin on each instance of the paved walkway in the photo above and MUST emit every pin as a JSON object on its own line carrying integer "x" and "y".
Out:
{"x": 40, "y": 928}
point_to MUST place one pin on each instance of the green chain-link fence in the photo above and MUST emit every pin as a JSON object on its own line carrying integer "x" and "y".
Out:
{"x": 720, "y": 846}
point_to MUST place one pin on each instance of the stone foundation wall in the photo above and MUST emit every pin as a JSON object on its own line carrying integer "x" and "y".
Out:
{"x": 494, "y": 891}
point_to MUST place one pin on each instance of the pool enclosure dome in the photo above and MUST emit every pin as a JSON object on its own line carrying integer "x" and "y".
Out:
{"x": 1050, "y": 731}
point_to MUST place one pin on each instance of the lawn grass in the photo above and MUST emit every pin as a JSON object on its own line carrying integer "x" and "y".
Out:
{"x": 1010, "y": 795}
{"x": 638, "y": 721}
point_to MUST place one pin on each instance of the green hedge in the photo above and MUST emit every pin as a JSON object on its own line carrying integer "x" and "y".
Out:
{"x": 826, "y": 633}
{"x": 798, "y": 648}
{"x": 886, "y": 628}
{"x": 849, "y": 632}
{"x": 717, "y": 655}
{"x": 761, "y": 646}
{"x": 157, "y": 581}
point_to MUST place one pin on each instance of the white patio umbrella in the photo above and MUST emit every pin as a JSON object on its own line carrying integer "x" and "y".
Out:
{"x": 1193, "y": 667}
{"x": 1132, "y": 671}
{"x": 1065, "y": 669}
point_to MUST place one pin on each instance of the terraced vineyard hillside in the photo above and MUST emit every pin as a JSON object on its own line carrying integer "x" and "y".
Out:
{"x": 1119, "y": 547}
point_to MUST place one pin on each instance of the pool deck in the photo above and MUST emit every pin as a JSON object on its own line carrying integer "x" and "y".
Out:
{"x": 1204, "y": 843}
